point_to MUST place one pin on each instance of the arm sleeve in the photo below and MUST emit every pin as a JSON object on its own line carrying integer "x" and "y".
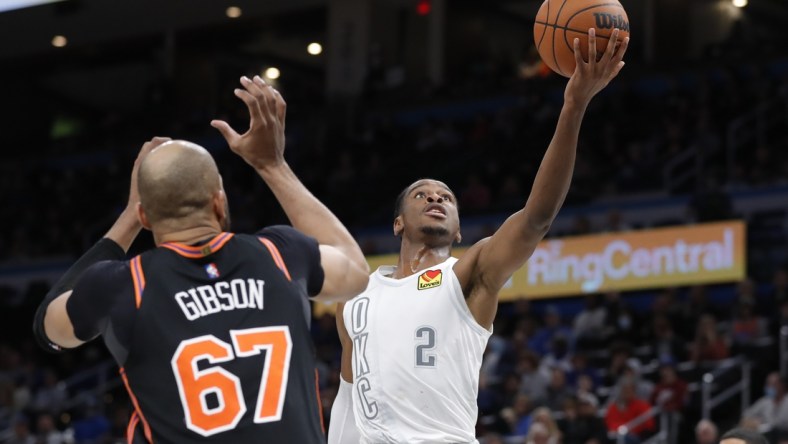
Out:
{"x": 301, "y": 254}
{"x": 104, "y": 249}
{"x": 95, "y": 296}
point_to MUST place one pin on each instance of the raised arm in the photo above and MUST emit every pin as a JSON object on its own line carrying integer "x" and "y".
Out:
{"x": 486, "y": 266}
{"x": 262, "y": 147}
{"x": 52, "y": 325}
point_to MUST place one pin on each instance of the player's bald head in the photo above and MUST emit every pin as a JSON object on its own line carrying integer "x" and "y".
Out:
{"x": 177, "y": 180}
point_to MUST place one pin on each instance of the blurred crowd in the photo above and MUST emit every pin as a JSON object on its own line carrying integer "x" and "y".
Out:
{"x": 61, "y": 194}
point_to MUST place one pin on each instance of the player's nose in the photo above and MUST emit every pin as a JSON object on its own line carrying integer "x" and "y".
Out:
{"x": 434, "y": 197}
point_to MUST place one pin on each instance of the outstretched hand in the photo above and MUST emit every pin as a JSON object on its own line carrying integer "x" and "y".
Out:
{"x": 591, "y": 77}
{"x": 263, "y": 144}
{"x": 147, "y": 147}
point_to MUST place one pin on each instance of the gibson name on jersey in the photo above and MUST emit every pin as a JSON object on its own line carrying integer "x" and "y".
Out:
{"x": 205, "y": 300}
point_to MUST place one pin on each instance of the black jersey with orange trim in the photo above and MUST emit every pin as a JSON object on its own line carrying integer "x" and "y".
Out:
{"x": 212, "y": 339}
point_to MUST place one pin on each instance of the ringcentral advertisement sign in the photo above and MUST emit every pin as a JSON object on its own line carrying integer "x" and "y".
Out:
{"x": 665, "y": 257}
{"x": 634, "y": 260}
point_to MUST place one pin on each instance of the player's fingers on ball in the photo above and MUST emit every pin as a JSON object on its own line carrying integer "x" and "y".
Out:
{"x": 612, "y": 44}
{"x": 578, "y": 56}
{"x": 591, "y": 45}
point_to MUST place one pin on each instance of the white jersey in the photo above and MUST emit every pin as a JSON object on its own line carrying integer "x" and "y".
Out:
{"x": 417, "y": 352}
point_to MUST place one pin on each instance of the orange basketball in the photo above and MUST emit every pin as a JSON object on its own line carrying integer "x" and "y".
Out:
{"x": 559, "y": 22}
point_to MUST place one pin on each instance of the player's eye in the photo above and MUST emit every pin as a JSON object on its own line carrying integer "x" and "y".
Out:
{"x": 447, "y": 197}
{"x": 420, "y": 195}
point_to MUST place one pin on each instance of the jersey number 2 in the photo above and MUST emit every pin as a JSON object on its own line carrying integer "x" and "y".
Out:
{"x": 194, "y": 385}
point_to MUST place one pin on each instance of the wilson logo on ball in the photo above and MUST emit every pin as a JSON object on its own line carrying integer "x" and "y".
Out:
{"x": 610, "y": 21}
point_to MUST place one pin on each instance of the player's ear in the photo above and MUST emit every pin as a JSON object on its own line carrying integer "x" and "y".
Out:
{"x": 143, "y": 218}
{"x": 458, "y": 237}
{"x": 399, "y": 226}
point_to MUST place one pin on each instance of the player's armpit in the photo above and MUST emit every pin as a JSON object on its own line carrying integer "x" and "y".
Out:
{"x": 343, "y": 279}
{"x": 57, "y": 325}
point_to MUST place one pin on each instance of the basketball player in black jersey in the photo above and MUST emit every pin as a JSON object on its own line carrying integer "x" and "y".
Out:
{"x": 210, "y": 329}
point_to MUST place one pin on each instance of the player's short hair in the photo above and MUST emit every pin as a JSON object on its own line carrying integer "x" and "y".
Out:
{"x": 404, "y": 193}
{"x": 748, "y": 436}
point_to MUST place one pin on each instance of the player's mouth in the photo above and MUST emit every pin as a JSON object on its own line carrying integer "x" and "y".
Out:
{"x": 435, "y": 210}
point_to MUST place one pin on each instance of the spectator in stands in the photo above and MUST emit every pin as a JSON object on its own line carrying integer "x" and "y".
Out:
{"x": 552, "y": 328}
{"x": 742, "y": 436}
{"x": 586, "y": 389}
{"x": 697, "y": 306}
{"x": 589, "y": 324}
{"x": 543, "y": 416}
{"x": 620, "y": 359}
{"x": 670, "y": 394}
{"x": 580, "y": 368}
{"x": 538, "y": 434}
{"x": 21, "y": 432}
{"x": 623, "y": 324}
{"x": 706, "y": 432}
{"x": 559, "y": 356}
{"x": 771, "y": 409}
{"x": 510, "y": 389}
{"x": 518, "y": 416}
{"x": 671, "y": 391}
{"x": 632, "y": 372}
{"x": 532, "y": 382}
{"x": 626, "y": 407}
{"x": 709, "y": 345}
{"x": 620, "y": 320}
{"x": 664, "y": 306}
{"x": 93, "y": 427}
{"x": 51, "y": 395}
{"x": 492, "y": 438}
{"x": 666, "y": 345}
{"x": 580, "y": 423}
{"x": 46, "y": 433}
{"x": 557, "y": 390}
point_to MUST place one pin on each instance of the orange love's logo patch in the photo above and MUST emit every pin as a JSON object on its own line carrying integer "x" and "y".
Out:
{"x": 430, "y": 279}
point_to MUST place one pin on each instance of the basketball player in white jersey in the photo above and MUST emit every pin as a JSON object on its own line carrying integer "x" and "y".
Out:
{"x": 413, "y": 341}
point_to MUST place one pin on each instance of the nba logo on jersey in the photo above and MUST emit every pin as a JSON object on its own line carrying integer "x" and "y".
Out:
{"x": 212, "y": 271}
{"x": 430, "y": 279}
